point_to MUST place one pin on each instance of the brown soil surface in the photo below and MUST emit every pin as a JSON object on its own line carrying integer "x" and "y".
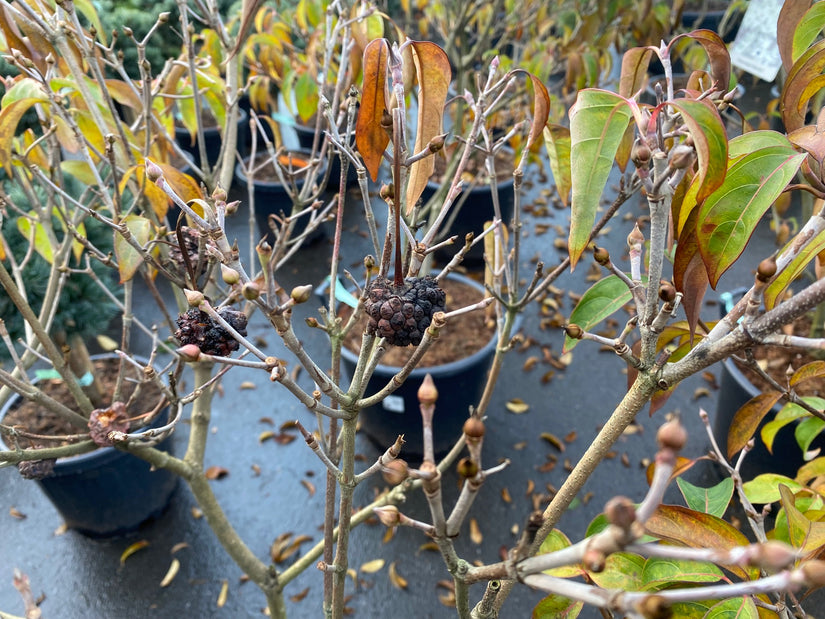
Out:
{"x": 775, "y": 361}
{"x": 33, "y": 418}
{"x": 462, "y": 336}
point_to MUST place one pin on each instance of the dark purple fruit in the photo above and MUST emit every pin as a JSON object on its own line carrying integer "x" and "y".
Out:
{"x": 401, "y": 315}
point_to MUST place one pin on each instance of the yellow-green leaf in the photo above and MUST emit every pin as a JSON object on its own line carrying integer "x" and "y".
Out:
{"x": 128, "y": 257}
{"x": 37, "y": 235}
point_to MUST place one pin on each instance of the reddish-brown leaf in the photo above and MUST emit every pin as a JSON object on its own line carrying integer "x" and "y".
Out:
{"x": 746, "y": 420}
{"x": 216, "y": 472}
{"x": 634, "y": 70}
{"x": 789, "y": 17}
{"x": 804, "y": 80}
{"x": 370, "y": 137}
{"x": 689, "y": 274}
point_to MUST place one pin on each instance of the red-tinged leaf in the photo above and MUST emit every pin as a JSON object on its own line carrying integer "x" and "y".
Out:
{"x": 729, "y": 216}
{"x": 803, "y": 82}
{"x": 541, "y": 107}
{"x": 216, "y": 472}
{"x": 798, "y": 264}
{"x": 718, "y": 56}
{"x": 689, "y": 274}
{"x": 710, "y": 141}
{"x": 789, "y": 16}
{"x": 557, "y": 143}
{"x": 602, "y": 299}
{"x": 812, "y": 137}
{"x": 128, "y": 257}
{"x": 10, "y": 116}
{"x": 634, "y": 70}
{"x": 598, "y": 121}
{"x": 683, "y": 465}
{"x": 808, "y": 29}
{"x": 660, "y": 572}
{"x": 697, "y": 530}
{"x": 434, "y": 75}
{"x": 807, "y": 536}
{"x": 370, "y": 137}
{"x": 747, "y": 419}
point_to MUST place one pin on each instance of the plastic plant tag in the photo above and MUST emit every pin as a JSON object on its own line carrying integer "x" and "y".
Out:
{"x": 83, "y": 381}
{"x": 755, "y": 49}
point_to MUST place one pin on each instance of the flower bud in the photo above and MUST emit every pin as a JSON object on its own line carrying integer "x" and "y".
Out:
{"x": 635, "y": 238}
{"x": 189, "y": 352}
{"x": 427, "y": 393}
{"x": 640, "y": 154}
{"x": 621, "y": 512}
{"x": 681, "y": 157}
{"x": 814, "y": 572}
{"x": 153, "y": 171}
{"x": 594, "y": 560}
{"x": 251, "y": 291}
{"x": 601, "y": 256}
{"x": 437, "y": 143}
{"x": 573, "y": 331}
{"x": 387, "y": 191}
{"x": 672, "y": 435}
{"x": 219, "y": 195}
{"x": 301, "y": 294}
{"x": 667, "y": 292}
{"x": 773, "y": 556}
{"x": 474, "y": 428}
{"x": 395, "y": 472}
{"x": 229, "y": 275}
{"x": 193, "y": 297}
{"x": 655, "y": 607}
{"x": 467, "y": 468}
{"x": 388, "y": 515}
{"x": 766, "y": 270}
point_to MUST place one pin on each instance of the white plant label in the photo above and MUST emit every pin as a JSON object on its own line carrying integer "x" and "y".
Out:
{"x": 394, "y": 403}
{"x": 755, "y": 49}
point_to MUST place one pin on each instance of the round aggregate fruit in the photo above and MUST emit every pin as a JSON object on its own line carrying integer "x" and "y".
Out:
{"x": 401, "y": 315}
{"x": 196, "y": 327}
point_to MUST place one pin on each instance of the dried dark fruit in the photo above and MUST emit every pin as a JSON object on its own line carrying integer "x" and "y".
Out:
{"x": 197, "y": 327}
{"x": 401, "y": 315}
{"x": 103, "y": 421}
{"x": 36, "y": 469}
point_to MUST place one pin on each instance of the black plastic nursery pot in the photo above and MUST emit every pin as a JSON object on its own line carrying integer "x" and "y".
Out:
{"x": 212, "y": 139}
{"x": 735, "y": 389}
{"x": 459, "y": 383}
{"x": 107, "y": 492}
{"x": 272, "y": 198}
{"x": 477, "y": 208}
{"x": 306, "y": 138}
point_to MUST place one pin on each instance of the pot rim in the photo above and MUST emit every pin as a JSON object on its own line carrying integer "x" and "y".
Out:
{"x": 97, "y": 452}
{"x": 444, "y": 368}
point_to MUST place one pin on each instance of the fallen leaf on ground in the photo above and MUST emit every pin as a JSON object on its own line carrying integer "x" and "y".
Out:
{"x": 16, "y": 513}
{"x": 223, "y": 594}
{"x": 171, "y": 573}
{"x": 396, "y": 579}
{"x": 299, "y": 596}
{"x": 139, "y": 545}
{"x": 216, "y": 472}
{"x": 370, "y": 567}
{"x": 517, "y": 406}
{"x": 475, "y": 532}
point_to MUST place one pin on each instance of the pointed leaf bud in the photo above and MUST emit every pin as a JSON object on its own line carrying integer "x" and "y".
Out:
{"x": 251, "y": 291}
{"x": 395, "y": 472}
{"x": 219, "y": 194}
{"x": 601, "y": 256}
{"x": 301, "y": 294}
{"x": 153, "y": 171}
{"x": 635, "y": 238}
{"x": 672, "y": 435}
{"x": 427, "y": 393}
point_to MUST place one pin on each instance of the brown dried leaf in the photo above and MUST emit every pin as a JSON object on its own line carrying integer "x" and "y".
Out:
{"x": 431, "y": 546}
{"x": 61, "y": 530}
{"x": 267, "y": 420}
{"x": 309, "y": 486}
{"x": 505, "y": 495}
{"x": 170, "y": 573}
{"x": 370, "y": 567}
{"x": 16, "y": 513}
{"x": 398, "y": 581}
{"x": 299, "y": 596}
{"x": 625, "y": 460}
{"x": 531, "y": 486}
{"x": 520, "y": 445}
{"x": 389, "y": 533}
{"x": 475, "y": 532}
{"x": 196, "y": 512}
{"x": 701, "y": 392}
{"x": 448, "y": 599}
{"x": 517, "y": 406}
{"x": 370, "y": 137}
{"x": 283, "y": 438}
{"x": 553, "y": 440}
{"x": 216, "y": 472}
{"x": 530, "y": 363}
{"x": 132, "y": 549}
{"x": 178, "y": 546}
{"x": 247, "y": 384}
{"x": 256, "y": 470}
{"x": 266, "y": 435}
{"x": 224, "y": 593}
{"x": 570, "y": 436}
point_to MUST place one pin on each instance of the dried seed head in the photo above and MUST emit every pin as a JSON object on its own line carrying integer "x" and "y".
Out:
{"x": 672, "y": 435}
{"x": 388, "y": 515}
{"x": 301, "y": 294}
{"x": 474, "y": 428}
{"x": 601, "y": 256}
{"x": 467, "y": 468}
{"x": 766, "y": 270}
{"x": 395, "y": 472}
{"x": 189, "y": 353}
{"x": 427, "y": 393}
{"x": 621, "y": 512}
{"x": 574, "y": 331}
{"x": 655, "y": 607}
{"x": 229, "y": 275}
{"x": 102, "y": 421}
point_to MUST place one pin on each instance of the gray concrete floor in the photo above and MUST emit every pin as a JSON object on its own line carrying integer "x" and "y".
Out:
{"x": 83, "y": 578}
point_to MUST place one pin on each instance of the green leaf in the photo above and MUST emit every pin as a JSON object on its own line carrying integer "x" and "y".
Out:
{"x": 622, "y": 570}
{"x": 764, "y": 488}
{"x": 803, "y": 534}
{"x": 712, "y": 500}
{"x": 755, "y": 140}
{"x": 128, "y": 257}
{"x": 557, "y": 144}
{"x": 552, "y": 543}
{"x": 729, "y": 216}
{"x": 691, "y": 610}
{"x": 600, "y": 301}
{"x": 37, "y": 235}
{"x": 659, "y": 573}
{"x": 306, "y": 96}
{"x": 808, "y": 29}
{"x": 807, "y": 430}
{"x": 802, "y": 258}
{"x": 787, "y": 414}
{"x": 557, "y": 607}
{"x": 734, "y": 608}
{"x": 598, "y": 121}
{"x": 710, "y": 141}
